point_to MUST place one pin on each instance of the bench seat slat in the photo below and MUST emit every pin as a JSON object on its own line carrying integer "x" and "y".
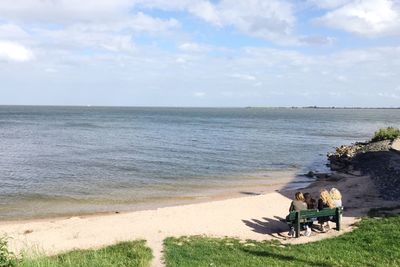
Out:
{"x": 308, "y": 214}
{"x": 304, "y": 216}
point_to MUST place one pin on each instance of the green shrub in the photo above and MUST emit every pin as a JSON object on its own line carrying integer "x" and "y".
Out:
{"x": 7, "y": 258}
{"x": 389, "y": 133}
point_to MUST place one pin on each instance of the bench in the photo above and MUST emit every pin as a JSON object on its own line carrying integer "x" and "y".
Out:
{"x": 295, "y": 218}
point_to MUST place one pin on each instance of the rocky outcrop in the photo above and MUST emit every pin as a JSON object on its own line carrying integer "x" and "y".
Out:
{"x": 380, "y": 160}
{"x": 343, "y": 158}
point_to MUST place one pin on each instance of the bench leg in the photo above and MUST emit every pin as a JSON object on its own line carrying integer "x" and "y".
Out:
{"x": 338, "y": 220}
{"x": 297, "y": 225}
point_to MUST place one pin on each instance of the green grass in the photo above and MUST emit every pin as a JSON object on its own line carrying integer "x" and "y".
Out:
{"x": 134, "y": 253}
{"x": 389, "y": 133}
{"x": 375, "y": 243}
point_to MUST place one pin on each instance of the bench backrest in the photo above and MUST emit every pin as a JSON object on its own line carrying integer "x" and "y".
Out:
{"x": 307, "y": 214}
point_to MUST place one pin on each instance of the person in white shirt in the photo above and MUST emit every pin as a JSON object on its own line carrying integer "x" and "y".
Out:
{"x": 336, "y": 197}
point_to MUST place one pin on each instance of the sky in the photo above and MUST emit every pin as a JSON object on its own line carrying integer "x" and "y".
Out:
{"x": 202, "y": 53}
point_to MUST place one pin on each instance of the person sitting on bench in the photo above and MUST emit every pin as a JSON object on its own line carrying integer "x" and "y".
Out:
{"x": 311, "y": 203}
{"x": 325, "y": 201}
{"x": 299, "y": 204}
{"x": 336, "y": 197}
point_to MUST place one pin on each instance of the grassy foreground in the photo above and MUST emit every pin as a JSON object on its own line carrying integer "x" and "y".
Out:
{"x": 375, "y": 243}
{"x": 134, "y": 253}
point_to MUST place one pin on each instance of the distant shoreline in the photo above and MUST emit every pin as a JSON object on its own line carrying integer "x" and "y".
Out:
{"x": 197, "y": 107}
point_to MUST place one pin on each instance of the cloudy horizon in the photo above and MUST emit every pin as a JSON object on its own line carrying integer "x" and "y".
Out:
{"x": 200, "y": 53}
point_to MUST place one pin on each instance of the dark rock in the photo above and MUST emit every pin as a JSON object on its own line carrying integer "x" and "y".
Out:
{"x": 309, "y": 174}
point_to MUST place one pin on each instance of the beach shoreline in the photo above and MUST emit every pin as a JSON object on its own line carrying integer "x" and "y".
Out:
{"x": 245, "y": 184}
{"x": 250, "y": 189}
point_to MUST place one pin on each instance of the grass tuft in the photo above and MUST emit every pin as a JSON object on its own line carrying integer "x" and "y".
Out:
{"x": 389, "y": 133}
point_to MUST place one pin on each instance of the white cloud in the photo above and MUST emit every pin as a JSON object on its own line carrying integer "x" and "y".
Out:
{"x": 199, "y": 94}
{"x": 50, "y": 70}
{"x": 365, "y": 17}
{"x": 341, "y": 78}
{"x": 12, "y": 31}
{"x": 12, "y": 51}
{"x": 168, "y": 5}
{"x": 106, "y": 25}
{"x": 272, "y": 20}
{"x": 115, "y": 36}
{"x": 317, "y": 40}
{"x": 63, "y": 10}
{"x": 389, "y": 95}
{"x": 246, "y": 77}
{"x": 145, "y": 23}
{"x": 180, "y": 60}
{"x": 278, "y": 57}
{"x": 328, "y": 4}
{"x": 193, "y": 47}
{"x": 206, "y": 11}
{"x": 73, "y": 38}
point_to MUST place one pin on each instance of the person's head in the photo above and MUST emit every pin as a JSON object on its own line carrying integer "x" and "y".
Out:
{"x": 299, "y": 196}
{"x": 307, "y": 197}
{"x": 335, "y": 194}
{"x": 326, "y": 198}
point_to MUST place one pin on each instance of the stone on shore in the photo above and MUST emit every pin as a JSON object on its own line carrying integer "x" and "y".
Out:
{"x": 396, "y": 145}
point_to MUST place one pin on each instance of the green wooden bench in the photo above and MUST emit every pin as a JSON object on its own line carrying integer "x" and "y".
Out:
{"x": 296, "y": 218}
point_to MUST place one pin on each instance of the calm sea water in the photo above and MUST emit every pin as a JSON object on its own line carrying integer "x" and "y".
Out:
{"x": 64, "y": 160}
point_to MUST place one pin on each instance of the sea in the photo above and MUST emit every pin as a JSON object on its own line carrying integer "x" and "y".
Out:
{"x": 62, "y": 161}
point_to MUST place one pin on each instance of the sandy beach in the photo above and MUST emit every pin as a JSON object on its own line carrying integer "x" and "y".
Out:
{"x": 256, "y": 217}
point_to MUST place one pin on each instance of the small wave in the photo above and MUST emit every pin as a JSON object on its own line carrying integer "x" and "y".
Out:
{"x": 38, "y": 197}
{"x": 81, "y": 125}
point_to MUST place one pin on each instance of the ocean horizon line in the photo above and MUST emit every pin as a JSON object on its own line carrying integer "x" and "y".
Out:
{"x": 199, "y": 107}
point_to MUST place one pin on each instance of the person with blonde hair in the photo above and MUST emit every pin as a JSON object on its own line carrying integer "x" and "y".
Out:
{"x": 336, "y": 197}
{"x": 325, "y": 201}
